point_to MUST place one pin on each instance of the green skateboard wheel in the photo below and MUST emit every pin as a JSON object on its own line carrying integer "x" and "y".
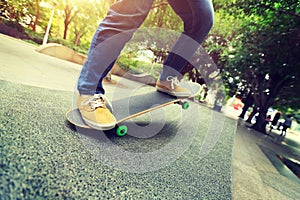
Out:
{"x": 185, "y": 105}
{"x": 122, "y": 130}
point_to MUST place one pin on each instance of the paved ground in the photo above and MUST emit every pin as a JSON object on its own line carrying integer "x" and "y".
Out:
{"x": 20, "y": 63}
{"x": 41, "y": 156}
{"x": 254, "y": 175}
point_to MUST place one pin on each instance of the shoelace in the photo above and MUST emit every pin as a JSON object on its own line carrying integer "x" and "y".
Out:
{"x": 174, "y": 81}
{"x": 96, "y": 101}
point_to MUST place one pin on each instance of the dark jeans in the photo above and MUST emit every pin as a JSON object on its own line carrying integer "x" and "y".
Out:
{"x": 117, "y": 28}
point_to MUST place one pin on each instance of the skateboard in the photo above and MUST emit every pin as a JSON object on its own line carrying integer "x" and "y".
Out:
{"x": 131, "y": 106}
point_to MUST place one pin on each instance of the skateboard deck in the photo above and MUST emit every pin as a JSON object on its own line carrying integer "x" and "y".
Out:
{"x": 131, "y": 106}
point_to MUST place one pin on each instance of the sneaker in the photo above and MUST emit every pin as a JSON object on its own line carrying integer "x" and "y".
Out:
{"x": 95, "y": 113}
{"x": 171, "y": 87}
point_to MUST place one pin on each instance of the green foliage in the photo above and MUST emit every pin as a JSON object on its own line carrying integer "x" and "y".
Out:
{"x": 266, "y": 47}
{"x": 265, "y": 56}
{"x": 163, "y": 16}
{"x": 127, "y": 63}
{"x": 14, "y": 10}
{"x": 36, "y": 37}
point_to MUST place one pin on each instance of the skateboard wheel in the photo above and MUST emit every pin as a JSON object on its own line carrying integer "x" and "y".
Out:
{"x": 121, "y": 130}
{"x": 185, "y": 105}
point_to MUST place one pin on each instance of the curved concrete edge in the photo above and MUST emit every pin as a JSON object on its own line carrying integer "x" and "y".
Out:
{"x": 62, "y": 52}
{"x": 66, "y": 53}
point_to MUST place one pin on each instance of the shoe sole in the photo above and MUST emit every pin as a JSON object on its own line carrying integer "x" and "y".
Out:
{"x": 173, "y": 94}
{"x": 99, "y": 126}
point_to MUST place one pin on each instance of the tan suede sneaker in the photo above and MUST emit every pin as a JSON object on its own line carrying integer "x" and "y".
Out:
{"x": 171, "y": 87}
{"x": 95, "y": 113}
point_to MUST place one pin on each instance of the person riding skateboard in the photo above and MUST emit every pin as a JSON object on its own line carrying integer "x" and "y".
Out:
{"x": 116, "y": 29}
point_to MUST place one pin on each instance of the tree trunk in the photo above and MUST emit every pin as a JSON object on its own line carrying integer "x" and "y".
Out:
{"x": 68, "y": 19}
{"x": 245, "y": 108}
{"x": 260, "y": 124}
{"x": 11, "y": 14}
{"x": 77, "y": 39}
{"x": 248, "y": 102}
{"x": 65, "y": 32}
{"x": 266, "y": 101}
{"x": 252, "y": 114}
{"x": 37, "y": 15}
{"x": 68, "y": 11}
{"x": 160, "y": 13}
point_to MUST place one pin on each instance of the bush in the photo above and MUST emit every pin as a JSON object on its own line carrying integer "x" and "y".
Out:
{"x": 13, "y": 29}
{"x": 127, "y": 63}
{"x": 139, "y": 67}
{"x": 15, "y": 25}
{"x": 16, "y": 30}
{"x": 80, "y": 49}
{"x": 31, "y": 42}
{"x": 38, "y": 38}
{"x": 34, "y": 36}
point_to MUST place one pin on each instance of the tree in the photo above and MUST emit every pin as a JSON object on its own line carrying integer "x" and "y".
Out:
{"x": 34, "y": 14}
{"x": 14, "y": 10}
{"x": 162, "y": 15}
{"x": 70, "y": 12}
{"x": 86, "y": 19}
{"x": 266, "y": 54}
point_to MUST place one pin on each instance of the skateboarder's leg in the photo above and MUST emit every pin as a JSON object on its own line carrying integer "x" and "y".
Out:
{"x": 114, "y": 31}
{"x": 197, "y": 16}
{"x": 109, "y": 39}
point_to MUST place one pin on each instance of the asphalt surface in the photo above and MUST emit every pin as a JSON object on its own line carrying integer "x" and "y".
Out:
{"x": 170, "y": 154}
{"x": 174, "y": 155}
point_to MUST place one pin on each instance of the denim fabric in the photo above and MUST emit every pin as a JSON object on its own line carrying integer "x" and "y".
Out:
{"x": 117, "y": 28}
